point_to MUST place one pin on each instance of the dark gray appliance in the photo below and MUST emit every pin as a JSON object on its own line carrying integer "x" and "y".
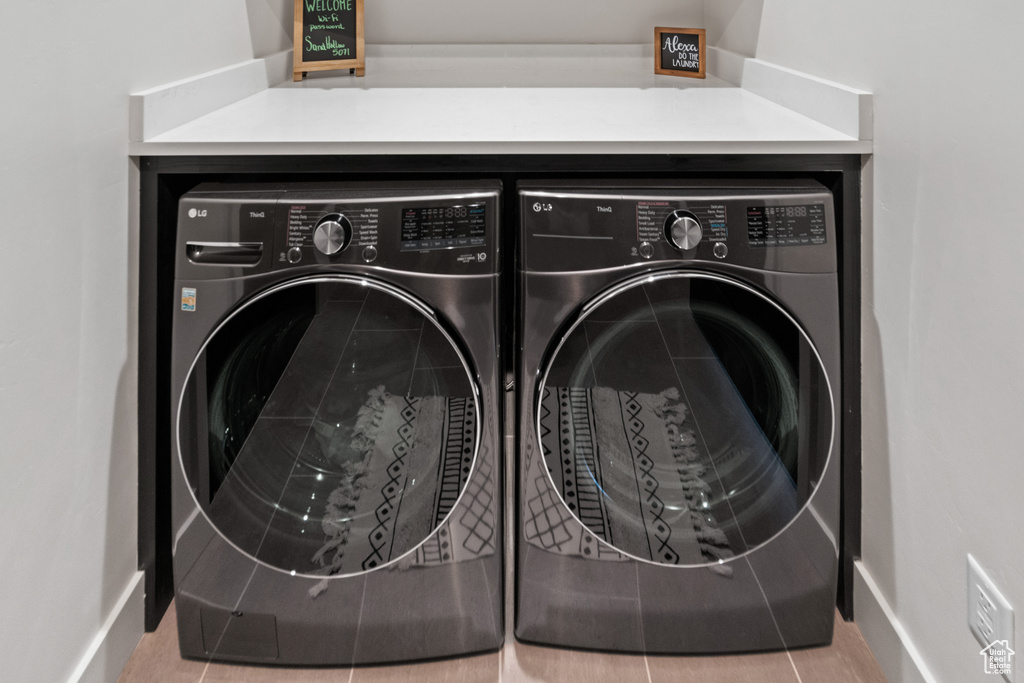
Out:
{"x": 678, "y": 367}
{"x": 337, "y": 420}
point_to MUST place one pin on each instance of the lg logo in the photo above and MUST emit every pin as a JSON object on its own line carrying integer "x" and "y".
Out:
{"x": 197, "y": 213}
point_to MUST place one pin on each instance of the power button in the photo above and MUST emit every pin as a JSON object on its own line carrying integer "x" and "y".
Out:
{"x": 294, "y": 255}
{"x": 646, "y": 250}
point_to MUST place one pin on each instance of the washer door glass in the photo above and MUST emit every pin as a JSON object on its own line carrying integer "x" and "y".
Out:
{"x": 685, "y": 419}
{"x": 328, "y": 426}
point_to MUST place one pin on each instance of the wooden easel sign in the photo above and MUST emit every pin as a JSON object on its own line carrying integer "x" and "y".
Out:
{"x": 680, "y": 52}
{"x": 328, "y": 35}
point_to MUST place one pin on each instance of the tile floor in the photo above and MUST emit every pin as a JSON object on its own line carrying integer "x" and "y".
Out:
{"x": 847, "y": 660}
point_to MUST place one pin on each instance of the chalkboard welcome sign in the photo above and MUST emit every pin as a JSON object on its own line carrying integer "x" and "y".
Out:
{"x": 328, "y": 35}
{"x": 679, "y": 52}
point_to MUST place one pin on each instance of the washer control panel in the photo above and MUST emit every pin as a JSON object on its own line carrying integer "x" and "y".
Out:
{"x": 782, "y": 225}
{"x": 313, "y": 226}
{"x": 447, "y": 232}
{"x": 414, "y": 227}
{"x": 444, "y": 227}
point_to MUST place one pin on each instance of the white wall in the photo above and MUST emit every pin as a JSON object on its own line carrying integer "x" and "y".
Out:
{"x": 944, "y": 315}
{"x": 410, "y": 22}
{"x": 527, "y": 21}
{"x": 405, "y": 22}
{"x": 734, "y": 25}
{"x": 67, "y": 321}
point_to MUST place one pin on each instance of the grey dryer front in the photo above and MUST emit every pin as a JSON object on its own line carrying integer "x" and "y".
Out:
{"x": 678, "y": 374}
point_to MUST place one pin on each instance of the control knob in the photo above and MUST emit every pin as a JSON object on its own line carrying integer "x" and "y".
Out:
{"x": 682, "y": 229}
{"x": 332, "y": 234}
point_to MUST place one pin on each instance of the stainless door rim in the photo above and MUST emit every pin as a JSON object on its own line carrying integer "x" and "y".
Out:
{"x": 651, "y": 278}
{"x": 404, "y": 297}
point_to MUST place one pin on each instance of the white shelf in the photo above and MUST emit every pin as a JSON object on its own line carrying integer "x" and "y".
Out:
{"x": 502, "y": 100}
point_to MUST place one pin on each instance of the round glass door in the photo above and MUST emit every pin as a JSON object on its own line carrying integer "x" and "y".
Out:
{"x": 329, "y": 426}
{"x": 685, "y": 418}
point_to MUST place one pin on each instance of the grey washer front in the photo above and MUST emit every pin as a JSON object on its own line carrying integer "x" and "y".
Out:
{"x": 337, "y": 420}
{"x": 678, "y": 366}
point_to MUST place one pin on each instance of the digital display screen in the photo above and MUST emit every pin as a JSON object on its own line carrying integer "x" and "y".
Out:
{"x": 444, "y": 227}
{"x": 786, "y": 226}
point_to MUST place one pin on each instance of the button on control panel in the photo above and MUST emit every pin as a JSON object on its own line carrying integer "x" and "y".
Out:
{"x": 683, "y": 230}
{"x": 332, "y": 234}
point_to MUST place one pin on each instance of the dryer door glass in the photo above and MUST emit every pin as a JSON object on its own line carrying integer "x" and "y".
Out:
{"x": 329, "y": 426}
{"x": 685, "y": 419}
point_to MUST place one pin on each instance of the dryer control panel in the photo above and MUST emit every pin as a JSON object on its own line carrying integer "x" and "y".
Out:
{"x": 230, "y": 231}
{"x": 781, "y": 226}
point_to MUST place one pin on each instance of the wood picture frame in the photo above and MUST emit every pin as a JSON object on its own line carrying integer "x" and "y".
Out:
{"x": 328, "y": 35}
{"x": 673, "y": 53}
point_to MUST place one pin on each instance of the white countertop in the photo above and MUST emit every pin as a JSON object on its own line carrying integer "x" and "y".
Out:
{"x": 501, "y": 100}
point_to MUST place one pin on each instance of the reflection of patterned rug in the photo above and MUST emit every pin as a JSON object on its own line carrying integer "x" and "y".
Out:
{"x": 417, "y": 454}
{"x": 624, "y": 465}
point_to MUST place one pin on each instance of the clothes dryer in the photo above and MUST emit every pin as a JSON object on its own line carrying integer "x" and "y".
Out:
{"x": 337, "y": 422}
{"x": 678, "y": 366}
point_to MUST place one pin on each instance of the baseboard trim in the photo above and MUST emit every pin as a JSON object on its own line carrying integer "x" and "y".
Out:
{"x": 891, "y": 644}
{"x": 117, "y": 638}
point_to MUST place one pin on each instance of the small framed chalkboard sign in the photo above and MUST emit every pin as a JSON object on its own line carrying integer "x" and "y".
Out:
{"x": 680, "y": 52}
{"x": 328, "y": 35}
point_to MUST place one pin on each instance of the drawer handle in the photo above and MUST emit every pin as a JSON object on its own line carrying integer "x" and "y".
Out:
{"x": 224, "y": 253}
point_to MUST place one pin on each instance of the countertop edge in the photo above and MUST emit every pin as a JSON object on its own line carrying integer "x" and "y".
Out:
{"x": 418, "y": 148}
{"x": 166, "y": 111}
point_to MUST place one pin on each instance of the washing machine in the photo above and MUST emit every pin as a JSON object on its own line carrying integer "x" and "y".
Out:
{"x": 678, "y": 367}
{"x": 337, "y": 487}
